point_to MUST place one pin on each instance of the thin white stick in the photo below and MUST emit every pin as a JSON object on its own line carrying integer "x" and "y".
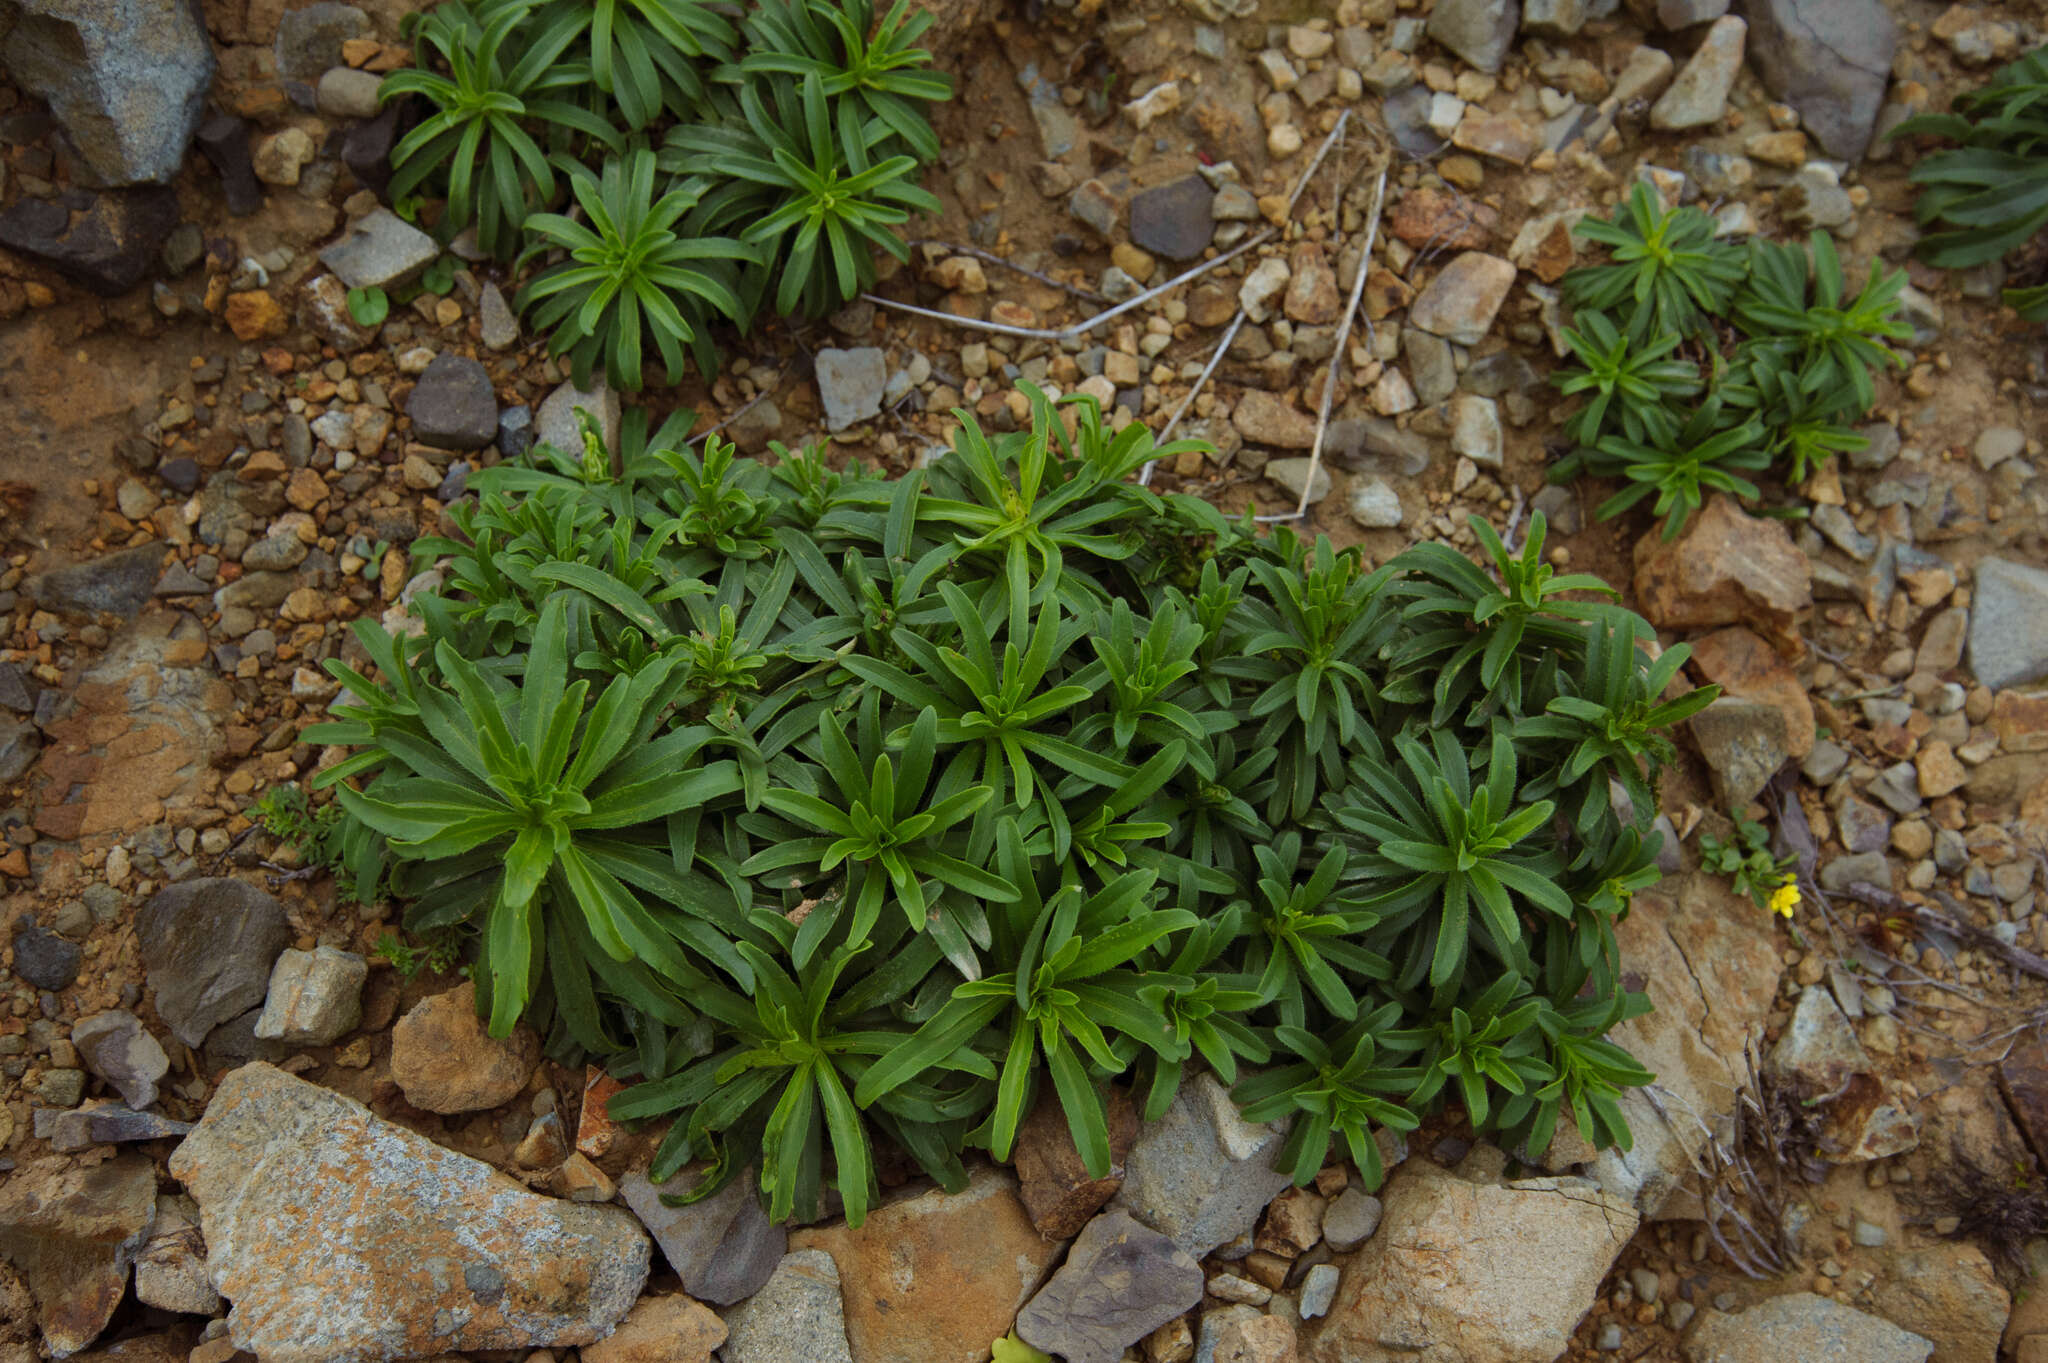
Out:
{"x": 1315, "y": 455}
{"x": 1079, "y": 328}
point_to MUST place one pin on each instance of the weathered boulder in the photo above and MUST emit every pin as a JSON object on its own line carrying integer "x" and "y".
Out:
{"x": 125, "y": 78}
{"x": 342, "y": 1238}
{"x": 1469, "y": 1272}
{"x": 209, "y": 945}
{"x": 1830, "y": 60}
{"x": 1949, "y": 1295}
{"x": 72, "y": 1230}
{"x": 1801, "y": 1326}
{"x": 2009, "y": 624}
{"x": 673, "y": 1329}
{"x": 107, "y": 241}
{"x": 933, "y": 1277}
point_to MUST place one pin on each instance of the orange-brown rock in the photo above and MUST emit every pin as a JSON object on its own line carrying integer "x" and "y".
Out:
{"x": 1725, "y": 568}
{"x": 446, "y": 1062}
{"x": 1746, "y": 667}
{"x": 674, "y": 1329}
{"x": 72, "y": 1229}
{"x": 342, "y": 1238}
{"x": 1442, "y": 218}
{"x": 1055, "y": 1185}
{"x": 934, "y": 1277}
{"x": 254, "y": 315}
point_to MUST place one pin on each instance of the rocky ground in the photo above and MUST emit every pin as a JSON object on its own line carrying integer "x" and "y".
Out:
{"x": 212, "y": 469}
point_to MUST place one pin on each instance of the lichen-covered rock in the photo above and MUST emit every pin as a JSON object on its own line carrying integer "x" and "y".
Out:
{"x": 341, "y": 1238}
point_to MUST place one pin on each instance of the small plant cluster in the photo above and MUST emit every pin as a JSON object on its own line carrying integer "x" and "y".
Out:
{"x": 1770, "y": 881}
{"x": 837, "y": 809}
{"x": 1705, "y": 363}
{"x": 741, "y": 167}
{"x": 1988, "y": 196}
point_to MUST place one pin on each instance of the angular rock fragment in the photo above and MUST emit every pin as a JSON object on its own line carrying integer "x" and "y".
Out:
{"x": 72, "y": 1231}
{"x": 723, "y": 1247}
{"x": 1201, "y": 1174}
{"x": 209, "y": 945}
{"x": 1120, "y": 1282}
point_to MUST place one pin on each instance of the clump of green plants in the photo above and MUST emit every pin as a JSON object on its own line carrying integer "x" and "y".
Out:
{"x": 1751, "y": 867}
{"x": 313, "y": 832}
{"x": 789, "y": 146}
{"x": 1705, "y": 364}
{"x": 1987, "y": 197}
{"x": 840, "y": 812}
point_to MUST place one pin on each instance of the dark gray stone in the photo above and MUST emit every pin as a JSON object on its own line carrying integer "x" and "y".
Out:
{"x": 234, "y": 1043}
{"x": 225, "y": 140}
{"x": 366, "y": 147}
{"x": 1480, "y": 31}
{"x": 14, "y": 689}
{"x": 1744, "y": 743}
{"x": 209, "y": 945}
{"x": 453, "y": 406}
{"x": 1830, "y": 60}
{"x": 44, "y": 959}
{"x": 180, "y": 475}
{"x": 125, "y": 78}
{"x": 723, "y": 1248}
{"x": 309, "y": 40}
{"x": 19, "y": 744}
{"x": 117, "y": 584}
{"x": 1120, "y": 1282}
{"x": 72, "y": 1129}
{"x": 1173, "y": 220}
{"x": 515, "y": 431}
{"x": 1406, "y": 114}
{"x": 1201, "y": 1173}
{"x": 107, "y": 242}
{"x": 2009, "y": 624}
{"x": 116, "y": 1046}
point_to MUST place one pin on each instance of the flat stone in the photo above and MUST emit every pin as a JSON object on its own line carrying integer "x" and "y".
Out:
{"x": 454, "y": 406}
{"x": 1292, "y": 473}
{"x": 1312, "y": 297}
{"x": 933, "y": 1277}
{"x": 1174, "y": 220}
{"x": 224, "y": 139}
{"x": 1700, "y": 94}
{"x": 723, "y": 1247}
{"x": 115, "y": 1046}
{"x": 2009, "y": 624}
{"x": 380, "y": 250}
{"x": 1554, "y": 18}
{"x": 798, "y": 1317}
{"x": 323, "y": 307}
{"x": 446, "y": 1062}
{"x": 850, "y": 384}
{"x": 1262, "y": 284}
{"x": 1478, "y": 31}
{"x": 1264, "y": 418}
{"x": 1430, "y": 368}
{"x": 342, "y": 1238}
{"x": 314, "y": 996}
{"x": 1475, "y": 1270}
{"x": 1201, "y": 1174}
{"x": 1948, "y": 1295}
{"x": 71, "y": 1231}
{"x": 1350, "y": 1219}
{"x": 69, "y": 1130}
{"x": 1120, "y": 1282}
{"x": 1805, "y": 1326}
{"x": 1475, "y": 429}
{"x": 1461, "y": 301}
{"x": 209, "y": 945}
{"x": 1829, "y": 59}
{"x": 119, "y": 583}
{"x": 126, "y": 81}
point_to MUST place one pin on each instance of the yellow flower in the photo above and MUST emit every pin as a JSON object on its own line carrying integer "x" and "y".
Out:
{"x": 1784, "y": 899}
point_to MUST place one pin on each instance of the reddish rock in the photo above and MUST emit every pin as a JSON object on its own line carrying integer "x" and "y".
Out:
{"x": 72, "y": 1230}
{"x": 674, "y": 1329}
{"x": 934, "y": 1277}
{"x": 1386, "y": 293}
{"x": 1744, "y": 666}
{"x": 596, "y": 1133}
{"x": 1442, "y": 218}
{"x": 1055, "y": 1185}
{"x": 1725, "y": 568}
{"x": 2020, "y": 721}
{"x": 255, "y": 316}
{"x": 446, "y": 1062}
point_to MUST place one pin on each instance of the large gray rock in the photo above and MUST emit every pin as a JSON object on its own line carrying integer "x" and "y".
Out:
{"x": 1803, "y": 1326}
{"x": 1120, "y": 1282}
{"x": 116, "y": 1047}
{"x": 723, "y": 1248}
{"x": 2009, "y": 624}
{"x": 343, "y": 1238}
{"x": 380, "y": 250}
{"x": 453, "y": 406}
{"x": 1480, "y": 31}
{"x": 1830, "y": 60}
{"x": 209, "y": 945}
{"x": 798, "y": 1317}
{"x": 125, "y": 78}
{"x": 72, "y": 1232}
{"x": 1201, "y": 1174}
